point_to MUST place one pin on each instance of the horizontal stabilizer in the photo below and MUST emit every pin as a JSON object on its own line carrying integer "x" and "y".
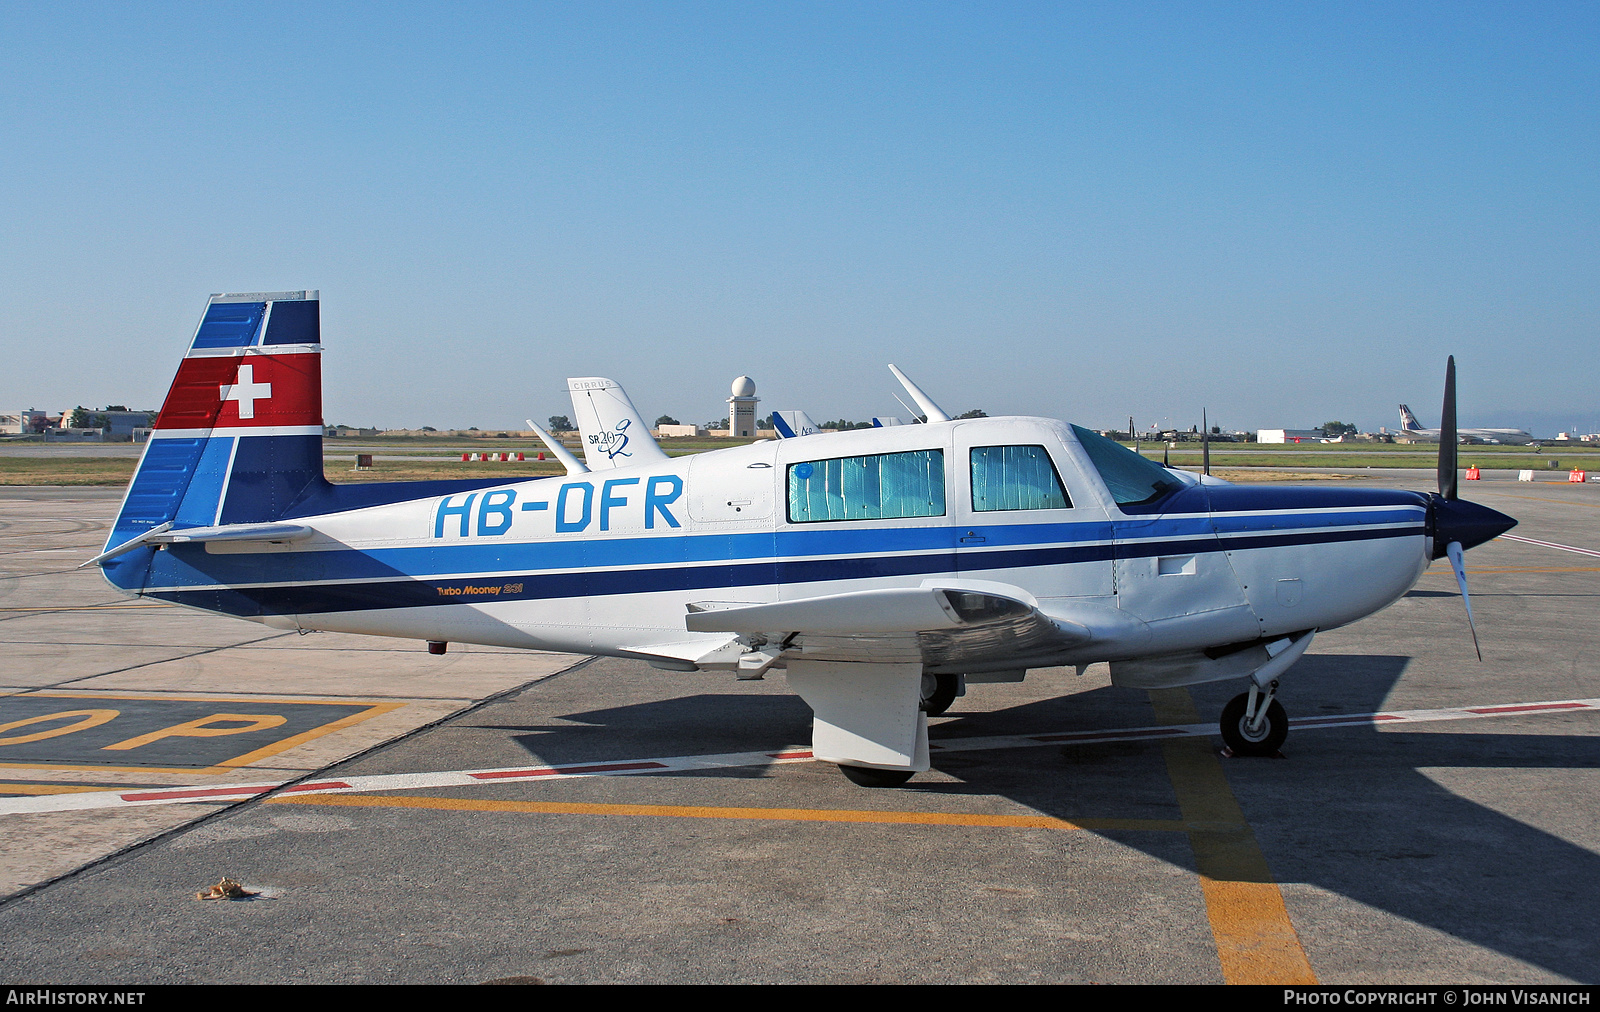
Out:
{"x": 235, "y": 532}
{"x": 165, "y": 535}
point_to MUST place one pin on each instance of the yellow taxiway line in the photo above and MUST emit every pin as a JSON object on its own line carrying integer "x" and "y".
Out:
{"x": 1256, "y": 941}
{"x": 708, "y": 812}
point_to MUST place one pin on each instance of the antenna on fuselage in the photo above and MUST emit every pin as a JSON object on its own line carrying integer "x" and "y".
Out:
{"x": 1205, "y": 444}
{"x": 932, "y": 410}
{"x": 916, "y": 419}
{"x": 568, "y": 461}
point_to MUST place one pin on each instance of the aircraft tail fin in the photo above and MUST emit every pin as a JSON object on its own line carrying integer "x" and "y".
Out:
{"x": 239, "y": 436}
{"x": 1408, "y": 420}
{"x": 613, "y": 433}
{"x": 791, "y": 424}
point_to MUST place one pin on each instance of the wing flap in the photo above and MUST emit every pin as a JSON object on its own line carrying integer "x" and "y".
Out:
{"x": 900, "y": 609}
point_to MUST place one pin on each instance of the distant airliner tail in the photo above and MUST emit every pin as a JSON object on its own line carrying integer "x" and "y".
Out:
{"x": 1408, "y": 421}
{"x": 792, "y": 424}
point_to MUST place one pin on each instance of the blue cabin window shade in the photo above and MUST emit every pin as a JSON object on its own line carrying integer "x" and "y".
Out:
{"x": 1016, "y": 478}
{"x": 883, "y": 486}
{"x": 1130, "y": 478}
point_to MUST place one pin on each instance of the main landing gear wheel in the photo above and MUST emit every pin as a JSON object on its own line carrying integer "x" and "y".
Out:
{"x": 866, "y": 776}
{"x": 1266, "y": 740}
{"x": 938, "y": 692}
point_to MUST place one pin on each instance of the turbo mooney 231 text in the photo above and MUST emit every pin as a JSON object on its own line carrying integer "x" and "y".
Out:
{"x": 881, "y": 568}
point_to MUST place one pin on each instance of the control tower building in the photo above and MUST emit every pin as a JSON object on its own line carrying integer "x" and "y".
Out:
{"x": 742, "y": 408}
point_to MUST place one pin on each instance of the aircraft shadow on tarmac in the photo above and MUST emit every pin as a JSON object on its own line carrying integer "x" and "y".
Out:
{"x": 1350, "y": 811}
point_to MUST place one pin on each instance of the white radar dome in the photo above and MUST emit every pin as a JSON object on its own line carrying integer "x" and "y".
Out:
{"x": 744, "y": 386}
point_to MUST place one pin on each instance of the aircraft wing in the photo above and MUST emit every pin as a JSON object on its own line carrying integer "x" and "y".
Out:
{"x": 943, "y": 623}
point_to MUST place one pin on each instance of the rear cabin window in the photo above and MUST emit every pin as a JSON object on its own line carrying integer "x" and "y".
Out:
{"x": 882, "y": 486}
{"x": 1131, "y": 478}
{"x": 1016, "y": 478}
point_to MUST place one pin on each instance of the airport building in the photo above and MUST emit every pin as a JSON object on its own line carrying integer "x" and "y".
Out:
{"x": 1289, "y": 435}
{"x": 665, "y": 431}
{"x": 30, "y": 420}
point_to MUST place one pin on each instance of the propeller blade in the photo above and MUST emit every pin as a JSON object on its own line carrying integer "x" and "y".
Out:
{"x": 1454, "y": 550}
{"x": 1205, "y": 443}
{"x": 1166, "y": 461}
{"x": 1448, "y": 487}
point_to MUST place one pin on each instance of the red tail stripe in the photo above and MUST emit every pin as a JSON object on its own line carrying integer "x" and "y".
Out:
{"x": 196, "y": 398}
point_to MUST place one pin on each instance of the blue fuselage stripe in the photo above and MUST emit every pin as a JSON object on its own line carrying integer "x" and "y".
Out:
{"x": 403, "y": 590}
{"x": 193, "y": 567}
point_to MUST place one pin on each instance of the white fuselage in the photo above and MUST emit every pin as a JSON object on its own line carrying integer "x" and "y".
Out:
{"x": 610, "y": 562}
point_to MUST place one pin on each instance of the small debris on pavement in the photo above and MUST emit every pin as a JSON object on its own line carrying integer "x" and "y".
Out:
{"x": 227, "y": 889}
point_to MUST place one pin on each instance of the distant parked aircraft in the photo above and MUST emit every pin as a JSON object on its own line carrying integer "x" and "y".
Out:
{"x": 1412, "y": 429}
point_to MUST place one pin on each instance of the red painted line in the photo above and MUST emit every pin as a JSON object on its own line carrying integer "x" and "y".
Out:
{"x": 797, "y": 754}
{"x": 199, "y": 792}
{"x": 555, "y": 771}
{"x": 1143, "y": 732}
{"x": 1531, "y": 706}
{"x": 1354, "y": 718}
{"x": 327, "y": 785}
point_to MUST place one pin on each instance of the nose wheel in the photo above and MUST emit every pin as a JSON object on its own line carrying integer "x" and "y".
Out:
{"x": 1254, "y": 724}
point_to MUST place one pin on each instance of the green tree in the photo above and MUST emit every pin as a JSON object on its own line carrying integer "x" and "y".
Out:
{"x": 1331, "y": 429}
{"x": 560, "y": 423}
{"x": 974, "y": 413}
{"x": 667, "y": 420}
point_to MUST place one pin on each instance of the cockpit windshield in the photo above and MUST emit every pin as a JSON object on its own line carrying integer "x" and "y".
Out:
{"x": 1131, "y": 478}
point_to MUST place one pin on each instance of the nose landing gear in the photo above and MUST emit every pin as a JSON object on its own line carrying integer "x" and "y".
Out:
{"x": 1255, "y": 724}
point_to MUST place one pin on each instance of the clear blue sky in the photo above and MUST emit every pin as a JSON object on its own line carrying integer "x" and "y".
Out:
{"x": 1286, "y": 213}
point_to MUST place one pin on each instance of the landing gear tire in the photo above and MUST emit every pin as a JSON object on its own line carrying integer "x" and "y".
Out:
{"x": 938, "y": 692}
{"x": 866, "y": 776}
{"x": 1238, "y": 736}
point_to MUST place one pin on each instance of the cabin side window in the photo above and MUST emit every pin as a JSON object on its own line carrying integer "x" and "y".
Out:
{"x": 883, "y": 486}
{"x": 1016, "y": 478}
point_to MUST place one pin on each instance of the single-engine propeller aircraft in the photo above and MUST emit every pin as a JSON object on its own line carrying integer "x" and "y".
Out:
{"x": 881, "y": 568}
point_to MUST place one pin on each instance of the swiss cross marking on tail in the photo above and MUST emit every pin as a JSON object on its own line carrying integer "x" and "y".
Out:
{"x": 246, "y": 391}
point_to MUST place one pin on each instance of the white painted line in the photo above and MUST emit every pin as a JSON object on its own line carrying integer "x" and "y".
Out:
{"x": 231, "y": 793}
{"x": 1550, "y": 544}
